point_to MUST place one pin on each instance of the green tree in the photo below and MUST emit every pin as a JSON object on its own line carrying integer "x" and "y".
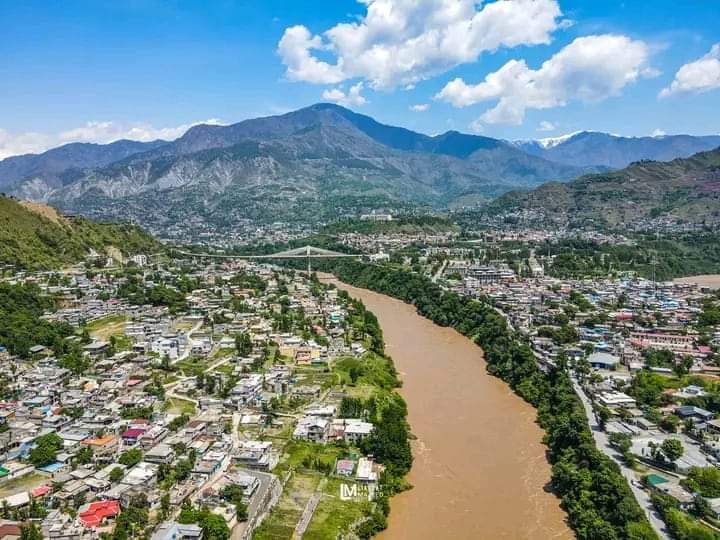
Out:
{"x": 130, "y": 457}
{"x": 116, "y": 474}
{"x": 30, "y": 531}
{"x": 672, "y": 449}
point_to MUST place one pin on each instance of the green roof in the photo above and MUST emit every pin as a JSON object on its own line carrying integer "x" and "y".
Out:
{"x": 3, "y": 471}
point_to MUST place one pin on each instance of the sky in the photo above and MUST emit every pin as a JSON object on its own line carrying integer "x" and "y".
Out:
{"x": 101, "y": 70}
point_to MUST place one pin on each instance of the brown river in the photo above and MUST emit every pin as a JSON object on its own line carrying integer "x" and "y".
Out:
{"x": 480, "y": 468}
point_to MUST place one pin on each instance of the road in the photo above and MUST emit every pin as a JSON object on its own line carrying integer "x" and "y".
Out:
{"x": 603, "y": 443}
{"x": 188, "y": 349}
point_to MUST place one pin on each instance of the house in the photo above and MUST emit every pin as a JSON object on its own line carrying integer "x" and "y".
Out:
{"x": 615, "y": 399}
{"x": 9, "y": 530}
{"x": 344, "y": 467}
{"x": 256, "y": 455}
{"x": 104, "y": 448}
{"x": 162, "y": 453}
{"x": 95, "y": 513}
{"x": 172, "y": 530}
{"x": 131, "y": 436}
{"x": 603, "y": 360}
{"x": 694, "y": 413}
{"x": 351, "y": 430}
{"x": 312, "y": 428}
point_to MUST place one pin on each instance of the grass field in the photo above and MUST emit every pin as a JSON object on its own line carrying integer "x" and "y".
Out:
{"x": 281, "y": 522}
{"x": 107, "y": 326}
{"x": 180, "y": 406}
{"x": 334, "y": 516}
{"x": 25, "y": 483}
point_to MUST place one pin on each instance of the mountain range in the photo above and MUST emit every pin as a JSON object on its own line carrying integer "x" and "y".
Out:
{"x": 682, "y": 190}
{"x": 595, "y": 149}
{"x": 315, "y": 163}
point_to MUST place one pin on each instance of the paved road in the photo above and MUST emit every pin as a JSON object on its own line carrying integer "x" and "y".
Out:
{"x": 603, "y": 443}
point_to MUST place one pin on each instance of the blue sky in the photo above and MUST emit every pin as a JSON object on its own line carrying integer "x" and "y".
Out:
{"x": 98, "y": 70}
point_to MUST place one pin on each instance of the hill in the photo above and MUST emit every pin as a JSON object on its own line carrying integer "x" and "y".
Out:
{"x": 35, "y": 236}
{"x": 316, "y": 163}
{"x": 594, "y": 149}
{"x": 680, "y": 190}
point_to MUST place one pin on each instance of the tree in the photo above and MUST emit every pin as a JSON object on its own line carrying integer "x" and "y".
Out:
{"x": 672, "y": 449}
{"x": 243, "y": 344}
{"x": 46, "y": 449}
{"x": 116, "y": 474}
{"x": 130, "y": 457}
{"x": 622, "y": 441}
{"x": 84, "y": 455}
{"x": 30, "y": 531}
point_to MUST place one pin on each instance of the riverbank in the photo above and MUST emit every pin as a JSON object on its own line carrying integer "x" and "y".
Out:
{"x": 480, "y": 469}
{"x": 596, "y": 497}
{"x": 711, "y": 281}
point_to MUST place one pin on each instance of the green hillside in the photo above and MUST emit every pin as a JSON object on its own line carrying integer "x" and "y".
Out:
{"x": 682, "y": 189}
{"x": 35, "y": 236}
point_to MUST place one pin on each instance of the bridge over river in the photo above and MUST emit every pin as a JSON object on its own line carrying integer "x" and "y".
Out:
{"x": 305, "y": 252}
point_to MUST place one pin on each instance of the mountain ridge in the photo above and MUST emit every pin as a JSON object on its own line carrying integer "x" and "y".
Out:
{"x": 312, "y": 158}
{"x": 599, "y": 149}
{"x": 685, "y": 190}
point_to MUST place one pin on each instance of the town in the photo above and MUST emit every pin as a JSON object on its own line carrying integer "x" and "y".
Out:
{"x": 190, "y": 400}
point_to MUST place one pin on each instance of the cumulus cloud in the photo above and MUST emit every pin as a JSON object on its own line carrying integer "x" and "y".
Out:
{"x": 352, "y": 98}
{"x": 697, "y": 77}
{"x": 658, "y": 133}
{"x": 589, "y": 69}
{"x": 401, "y": 42}
{"x": 476, "y": 126}
{"x": 12, "y": 144}
{"x": 420, "y": 107}
{"x": 22, "y": 143}
{"x": 546, "y": 126}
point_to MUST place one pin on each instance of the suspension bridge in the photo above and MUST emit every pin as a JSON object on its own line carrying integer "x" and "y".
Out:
{"x": 305, "y": 252}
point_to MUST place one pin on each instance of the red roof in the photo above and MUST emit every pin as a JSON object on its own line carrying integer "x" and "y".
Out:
{"x": 40, "y": 491}
{"x": 133, "y": 433}
{"x": 92, "y": 515}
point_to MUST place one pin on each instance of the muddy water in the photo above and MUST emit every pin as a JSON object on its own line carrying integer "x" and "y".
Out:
{"x": 480, "y": 468}
{"x": 712, "y": 281}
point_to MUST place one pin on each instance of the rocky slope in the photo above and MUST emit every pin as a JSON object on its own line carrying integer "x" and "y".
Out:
{"x": 316, "y": 162}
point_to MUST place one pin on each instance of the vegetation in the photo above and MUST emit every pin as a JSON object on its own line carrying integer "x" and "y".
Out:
{"x": 130, "y": 457}
{"x": 34, "y": 236}
{"x": 664, "y": 258}
{"x": 46, "y": 449}
{"x": 20, "y": 325}
{"x": 596, "y": 497}
{"x": 213, "y": 525}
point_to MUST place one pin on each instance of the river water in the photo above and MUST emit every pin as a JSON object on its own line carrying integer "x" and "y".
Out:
{"x": 480, "y": 469}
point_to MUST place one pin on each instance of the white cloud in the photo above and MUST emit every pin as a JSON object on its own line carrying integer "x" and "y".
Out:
{"x": 105, "y": 132}
{"x": 589, "y": 69}
{"x": 476, "y": 126}
{"x": 697, "y": 77}
{"x": 352, "y": 98}
{"x": 12, "y": 144}
{"x": 658, "y": 133}
{"x": 401, "y": 42}
{"x": 546, "y": 126}
{"x": 23, "y": 143}
{"x": 420, "y": 107}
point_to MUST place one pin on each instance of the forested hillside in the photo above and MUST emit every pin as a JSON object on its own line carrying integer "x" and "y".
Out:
{"x": 34, "y": 236}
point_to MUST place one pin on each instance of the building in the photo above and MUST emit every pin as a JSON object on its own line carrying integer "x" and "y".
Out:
{"x": 172, "y": 530}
